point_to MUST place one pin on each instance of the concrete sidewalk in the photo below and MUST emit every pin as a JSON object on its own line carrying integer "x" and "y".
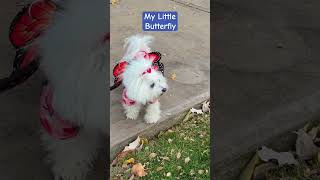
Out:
{"x": 185, "y": 53}
{"x": 266, "y": 74}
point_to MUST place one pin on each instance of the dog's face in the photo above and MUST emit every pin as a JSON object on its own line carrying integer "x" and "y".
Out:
{"x": 156, "y": 82}
{"x": 142, "y": 82}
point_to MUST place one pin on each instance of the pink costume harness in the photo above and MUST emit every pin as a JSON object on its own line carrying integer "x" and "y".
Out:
{"x": 130, "y": 102}
{"x": 51, "y": 121}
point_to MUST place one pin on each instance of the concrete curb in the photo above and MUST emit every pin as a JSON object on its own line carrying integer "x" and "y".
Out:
{"x": 293, "y": 115}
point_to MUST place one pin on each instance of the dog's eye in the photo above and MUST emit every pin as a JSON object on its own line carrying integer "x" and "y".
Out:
{"x": 152, "y": 85}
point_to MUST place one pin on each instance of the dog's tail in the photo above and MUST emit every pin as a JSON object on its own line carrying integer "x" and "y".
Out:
{"x": 136, "y": 43}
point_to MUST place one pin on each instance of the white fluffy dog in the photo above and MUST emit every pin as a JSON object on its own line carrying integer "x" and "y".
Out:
{"x": 142, "y": 80}
{"x": 75, "y": 63}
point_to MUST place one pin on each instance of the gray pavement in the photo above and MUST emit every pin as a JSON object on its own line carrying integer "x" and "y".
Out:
{"x": 185, "y": 53}
{"x": 266, "y": 74}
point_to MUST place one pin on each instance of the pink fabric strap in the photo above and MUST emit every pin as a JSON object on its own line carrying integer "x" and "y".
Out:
{"x": 52, "y": 122}
{"x": 130, "y": 102}
{"x": 126, "y": 100}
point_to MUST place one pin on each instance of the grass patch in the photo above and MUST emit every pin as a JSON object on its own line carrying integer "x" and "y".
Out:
{"x": 304, "y": 171}
{"x": 182, "y": 152}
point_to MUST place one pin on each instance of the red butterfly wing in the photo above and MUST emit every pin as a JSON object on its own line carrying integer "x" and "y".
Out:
{"x": 31, "y": 22}
{"x": 119, "y": 68}
{"x": 154, "y": 56}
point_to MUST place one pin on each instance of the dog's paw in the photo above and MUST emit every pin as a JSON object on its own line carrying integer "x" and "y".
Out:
{"x": 132, "y": 114}
{"x": 151, "y": 118}
{"x": 152, "y": 113}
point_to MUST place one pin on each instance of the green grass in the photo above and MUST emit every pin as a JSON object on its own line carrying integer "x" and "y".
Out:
{"x": 304, "y": 171}
{"x": 190, "y": 138}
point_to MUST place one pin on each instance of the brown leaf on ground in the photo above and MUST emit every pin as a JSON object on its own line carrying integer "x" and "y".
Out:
{"x": 159, "y": 168}
{"x": 114, "y": 2}
{"x": 120, "y": 156}
{"x": 206, "y": 106}
{"x": 152, "y": 155}
{"x": 313, "y": 132}
{"x": 134, "y": 145}
{"x": 138, "y": 170}
{"x": 305, "y": 147}
{"x": 247, "y": 173}
{"x": 186, "y": 160}
{"x": 197, "y": 111}
{"x": 173, "y": 76}
{"x": 128, "y": 162}
{"x": 260, "y": 170}
{"x": 267, "y": 154}
{"x": 178, "y": 155}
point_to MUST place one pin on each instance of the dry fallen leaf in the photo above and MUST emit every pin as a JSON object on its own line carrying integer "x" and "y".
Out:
{"x": 138, "y": 170}
{"x": 136, "y": 145}
{"x": 260, "y": 170}
{"x": 152, "y": 155}
{"x": 192, "y": 172}
{"x": 305, "y": 147}
{"x": 197, "y": 111}
{"x": 186, "y": 160}
{"x": 313, "y": 132}
{"x": 178, "y": 155}
{"x": 206, "y": 106}
{"x": 119, "y": 156}
{"x": 114, "y": 2}
{"x": 165, "y": 158}
{"x": 132, "y": 146}
{"x": 170, "y": 131}
{"x": 159, "y": 168}
{"x": 267, "y": 154}
{"x": 143, "y": 140}
{"x": 127, "y": 162}
{"x": 247, "y": 173}
{"x": 130, "y": 161}
{"x": 173, "y": 76}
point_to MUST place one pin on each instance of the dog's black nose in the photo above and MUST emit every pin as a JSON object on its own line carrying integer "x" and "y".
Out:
{"x": 164, "y": 89}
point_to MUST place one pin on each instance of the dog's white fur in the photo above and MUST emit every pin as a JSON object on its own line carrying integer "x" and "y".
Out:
{"x": 137, "y": 85}
{"x": 74, "y": 61}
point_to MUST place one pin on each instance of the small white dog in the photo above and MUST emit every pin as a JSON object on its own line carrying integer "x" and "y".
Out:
{"x": 142, "y": 78}
{"x": 74, "y": 59}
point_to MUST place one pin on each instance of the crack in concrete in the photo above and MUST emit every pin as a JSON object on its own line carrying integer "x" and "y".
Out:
{"x": 191, "y": 5}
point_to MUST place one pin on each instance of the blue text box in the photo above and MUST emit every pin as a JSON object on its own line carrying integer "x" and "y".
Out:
{"x": 160, "y": 21}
